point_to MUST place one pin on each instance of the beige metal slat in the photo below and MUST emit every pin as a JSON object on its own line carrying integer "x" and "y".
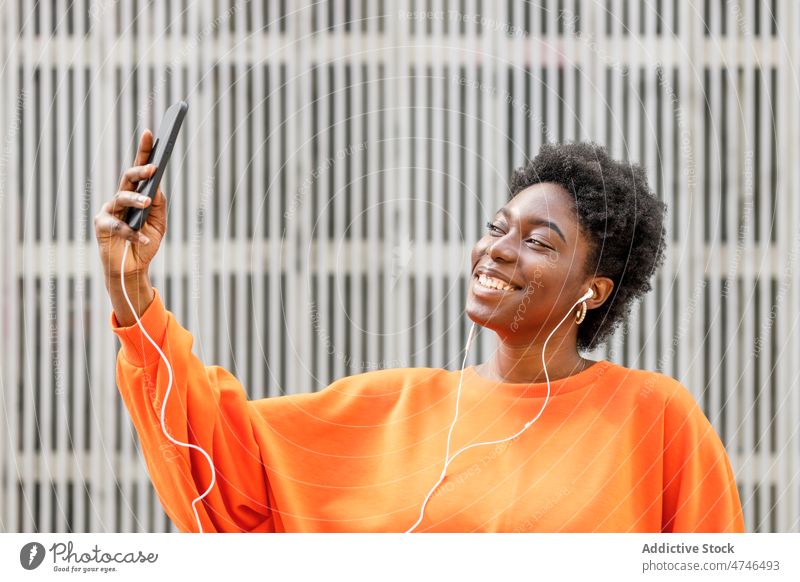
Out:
{"x": 377, "y": 208}
{"x": 275, "y": 319}
{"x": 712, "y": 266}
{"x": 748, "y": 284}
{"x": 765, "y": 304}
{"x": 457, "y": 263}
{"x": 257, "y": 263}
{"x": 788, "y": 490}
{"x": 434, "y": 344}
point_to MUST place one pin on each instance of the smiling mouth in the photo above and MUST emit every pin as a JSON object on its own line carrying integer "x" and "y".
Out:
{"x": 489, "y": 284}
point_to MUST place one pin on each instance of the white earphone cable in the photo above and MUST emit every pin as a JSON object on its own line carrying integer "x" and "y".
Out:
{"x": 448, "y": 459}
{"x": 166, "y": 394}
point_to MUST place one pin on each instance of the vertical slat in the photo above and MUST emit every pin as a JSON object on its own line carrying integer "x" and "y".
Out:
{"x": 537, "y": 124}
{"x": 13, "y": 104}
{"x": 669, "y": 105}
{"x": 792, "y": 506}
{"x": 200, "y": 123}
{"x": 166, "y": 31}
{"x": 64, "y": 198}
{"x": 633, "y": 154}
{"x": 323, "y": 238}
{"x": 275, "y": 319}
{"x": 435, "y": 198}
{"x": 468, "y": 193}
{"x": 516, "y": 65}
{"x": 257, "y": 351}
{"x": 617, "y": 143}
{"x": 242, "y": 165}
{"x": 134, "y": 85}
{"x": 104, "y": 132}
{"x": 398, "y": 189}
{"x": 488, "y": 76}
{"x": 224, "y": 163}
{"x": 457, "y": 260}
{"x": 82, "y": 185}
{"x": 338, "y": 172}
{"x": 588, "y": 80}
{"x": 748, "y": 285}
{"x": 691, "y": 28}
{"x": 356, "y": 224}
{"x": 788, "y": 496}
{"x": 46, "y": 298}
{"x": 297, "y": 241}
{"x": 418, "y": 193}
{"x": 375, "y": 176}
{"x": 551, "y": 62}
{"x": 714, "y": 220}
{"x": 567, "y": 100}
{"x": 766, "y": 271}
{"x": 109, "y": 400}
{"x": 28, "y": 427}
{"x": 733, "y": 148}
{"x": 654, "y": 149}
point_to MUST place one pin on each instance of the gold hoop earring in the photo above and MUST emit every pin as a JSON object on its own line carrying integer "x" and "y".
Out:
{"x": 581, "y": 314}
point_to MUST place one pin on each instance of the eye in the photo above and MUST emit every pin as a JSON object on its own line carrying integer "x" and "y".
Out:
{"x": 492, "y": 227}
{"x": 539, "y": 243}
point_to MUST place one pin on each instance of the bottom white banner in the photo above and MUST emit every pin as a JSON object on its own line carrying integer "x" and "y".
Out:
{"x": 723, "y": 557}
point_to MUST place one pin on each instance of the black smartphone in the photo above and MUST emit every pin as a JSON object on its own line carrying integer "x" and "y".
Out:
{"x": 163, "y": 143}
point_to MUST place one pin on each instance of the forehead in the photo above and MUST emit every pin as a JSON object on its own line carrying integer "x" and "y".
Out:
{"x": 546, "y": 201}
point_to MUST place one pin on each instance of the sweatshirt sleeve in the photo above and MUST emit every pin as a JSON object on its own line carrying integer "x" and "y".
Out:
{"x": 206, "y": 407}
{"x": 700, "y": 493}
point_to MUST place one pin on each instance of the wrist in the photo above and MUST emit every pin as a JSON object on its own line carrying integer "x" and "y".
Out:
{"x": 133, "y": 279}
{"x": 139, "y": 291}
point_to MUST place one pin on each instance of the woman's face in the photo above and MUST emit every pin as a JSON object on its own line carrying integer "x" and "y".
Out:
{"x": 535, "y": 246}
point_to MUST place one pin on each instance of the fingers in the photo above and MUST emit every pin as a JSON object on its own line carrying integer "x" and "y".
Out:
{"x": 157, "y": 219}
{"x": 124, "y": 200}
{"x": 113, "y": 226}
{"x": 135, "y": 174}
{"x": 145, "y": 146}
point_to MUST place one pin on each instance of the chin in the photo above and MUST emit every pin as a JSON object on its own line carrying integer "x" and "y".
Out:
{"x": 486, "y": 315}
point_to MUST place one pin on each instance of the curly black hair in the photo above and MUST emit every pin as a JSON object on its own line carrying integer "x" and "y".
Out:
{"x": 618, "y": 214}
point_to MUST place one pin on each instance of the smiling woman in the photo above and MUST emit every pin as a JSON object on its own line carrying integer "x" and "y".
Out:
{"x": 544, "y": 440}
{"x": 576, "y": 220}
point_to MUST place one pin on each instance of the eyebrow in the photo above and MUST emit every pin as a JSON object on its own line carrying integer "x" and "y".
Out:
{"x": 538, "y": 222}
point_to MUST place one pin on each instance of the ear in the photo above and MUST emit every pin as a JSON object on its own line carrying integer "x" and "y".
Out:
{"x": 601, "y": 288}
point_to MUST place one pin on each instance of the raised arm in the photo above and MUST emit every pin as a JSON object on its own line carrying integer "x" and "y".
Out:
{"x": 206, "y": 406}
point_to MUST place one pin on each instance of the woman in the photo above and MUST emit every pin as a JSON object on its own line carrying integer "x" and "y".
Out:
{"x": 571, "y": 445}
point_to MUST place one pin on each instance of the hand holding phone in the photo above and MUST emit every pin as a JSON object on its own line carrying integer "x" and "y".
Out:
{"x": 138, "y": 190}
{"x": 159, "y": 157}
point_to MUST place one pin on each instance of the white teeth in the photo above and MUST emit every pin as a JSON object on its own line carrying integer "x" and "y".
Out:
{"x": 493, "y": 283}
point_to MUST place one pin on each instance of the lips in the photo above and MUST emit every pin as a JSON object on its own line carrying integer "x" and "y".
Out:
{"x": 490, "y": 278}
{"x": 485, "y": 286}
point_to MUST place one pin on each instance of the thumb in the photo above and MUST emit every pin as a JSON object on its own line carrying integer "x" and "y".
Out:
{"x": 158, "y": 213}
{"x": 160, "y": 199}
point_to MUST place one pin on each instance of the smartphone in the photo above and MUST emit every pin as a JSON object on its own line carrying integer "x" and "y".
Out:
{"x": 163, "y": 143}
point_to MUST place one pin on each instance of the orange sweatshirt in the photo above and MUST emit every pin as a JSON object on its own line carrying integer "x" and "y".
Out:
{"x": 615, "y": 450}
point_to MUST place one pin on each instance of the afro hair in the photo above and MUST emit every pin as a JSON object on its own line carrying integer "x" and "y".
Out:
{"x": 618, "y": 215}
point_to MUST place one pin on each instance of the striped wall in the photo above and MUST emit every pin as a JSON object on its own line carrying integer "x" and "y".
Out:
{"x": 338, "y": 162}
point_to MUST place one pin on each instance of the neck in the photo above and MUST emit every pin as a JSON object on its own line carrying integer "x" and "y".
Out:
{"x": 523, "y": 363}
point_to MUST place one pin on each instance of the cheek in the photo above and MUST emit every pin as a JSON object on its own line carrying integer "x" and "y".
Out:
{"x": 478, "y": 251}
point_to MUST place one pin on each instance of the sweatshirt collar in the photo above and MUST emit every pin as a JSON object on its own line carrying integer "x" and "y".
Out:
{"x": 587, "y": 377}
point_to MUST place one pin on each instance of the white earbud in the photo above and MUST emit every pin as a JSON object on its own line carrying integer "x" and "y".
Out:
{"x": 589, "y": 294}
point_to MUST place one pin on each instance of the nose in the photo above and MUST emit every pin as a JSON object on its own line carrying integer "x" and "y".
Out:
{"x": 503, "y": 248}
